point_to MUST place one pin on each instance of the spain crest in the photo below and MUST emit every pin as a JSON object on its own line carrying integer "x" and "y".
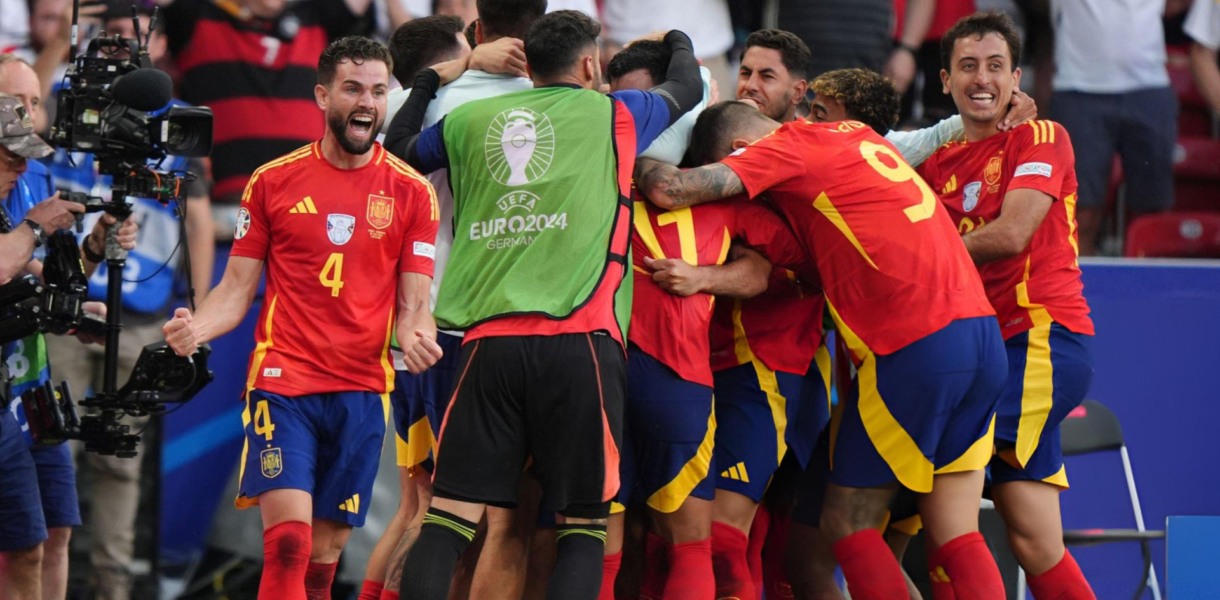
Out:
{"x": 273, "y": 463}
{"x": 381, "y": 211}
{"x": 992, "y": 173}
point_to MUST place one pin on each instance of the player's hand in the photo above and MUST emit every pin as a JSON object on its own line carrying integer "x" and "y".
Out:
{"x": 180, "y": 333}
{"x": 54, "y": 214}
{"x": 713, "y": 94}
{"x": 422, "y": 352}
{"x": 901, "y": 69}
{"x": 505, "y": 56}
{"x": 675, "y": 276}
{"x": 94, "y": 308}
{"x": 1021, "y": 110}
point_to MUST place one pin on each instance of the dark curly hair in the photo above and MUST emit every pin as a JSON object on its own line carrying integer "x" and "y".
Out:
{"x": 556, "y": 40}
{"x": 354, "y": 48}
{"x": 866, "y": 95}
{"x": 977, "y": 26}
{"x": 644, "y": 54}
{"x": 423, "y": 42}
{"x": 793, "y": 52}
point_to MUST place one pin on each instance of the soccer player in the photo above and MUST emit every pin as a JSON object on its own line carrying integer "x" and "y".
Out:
{"x": 317, "y": 394}
{"x": 670, "y": 425}
{"x": 536, "y": 279}
{"x": 1012, "y": 196}
{"x": 913, "y": 313}
{"x": 417, "y": 45}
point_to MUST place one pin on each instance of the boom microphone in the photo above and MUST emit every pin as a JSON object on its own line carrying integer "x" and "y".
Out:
{"x": 144, "y": 89}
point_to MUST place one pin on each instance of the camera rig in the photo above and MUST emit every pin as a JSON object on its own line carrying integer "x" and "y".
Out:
{"x": 116, "y": 106}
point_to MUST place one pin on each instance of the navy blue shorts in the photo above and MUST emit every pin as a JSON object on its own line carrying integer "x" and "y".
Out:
{"x": 57, "y": 485}
{"x": 668, "y": 433}
{"x": 1140, "y": 126}
{"x": 326, "y": 444}
{"x": 927, "y": 408}
{"x": 419, "y": 403}
{"x": 760, "y": 413}
{"x": 1050, "y": 370}
{"x": 22, "y": 524}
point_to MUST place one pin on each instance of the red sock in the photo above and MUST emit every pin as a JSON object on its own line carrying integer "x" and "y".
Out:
{"x": 729, "y": 548}
{"x": 941, "y": 588}
{"x": 970, "y": 568}
{"x": 388, "y": 595}
{"x": 1063, "y": 581}
{"x": 758, "y": 539}
{"x": 775, "y": 575}
{"x": 286, "y": 550}
{"x": 871, "y": 570}
{"x": 656, "y": 568}
{"x": 318, "y": 580}
{"x": 370, "y": 590}
{"x": 690, "y": 572}
{"x": 610, "y": 566}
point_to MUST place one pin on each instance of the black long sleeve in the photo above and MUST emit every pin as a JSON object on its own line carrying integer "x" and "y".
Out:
{"x": 683, "y": 87}
{"x": 401, "y": 135}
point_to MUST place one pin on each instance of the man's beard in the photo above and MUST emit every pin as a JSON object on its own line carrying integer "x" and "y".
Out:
{"x": 338, "y": 126}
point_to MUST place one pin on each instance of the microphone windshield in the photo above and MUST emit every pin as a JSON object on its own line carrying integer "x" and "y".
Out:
{"x": 143, "y": 89}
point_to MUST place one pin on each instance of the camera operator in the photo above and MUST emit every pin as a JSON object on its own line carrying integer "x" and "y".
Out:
{"x": 27, "y": 358}
{"x": 23, "y": 526}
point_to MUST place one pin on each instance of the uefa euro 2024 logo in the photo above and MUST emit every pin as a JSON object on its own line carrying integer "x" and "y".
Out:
{"x": 520, "y": 146}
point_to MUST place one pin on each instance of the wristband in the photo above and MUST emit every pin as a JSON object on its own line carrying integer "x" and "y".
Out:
{"x": 901, "y": 46}
{"x": 90, "y": 255}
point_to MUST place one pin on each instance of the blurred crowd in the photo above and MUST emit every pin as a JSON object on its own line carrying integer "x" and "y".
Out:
{"x": 1135, "y": 82}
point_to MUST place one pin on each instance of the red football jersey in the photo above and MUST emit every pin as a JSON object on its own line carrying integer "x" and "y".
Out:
{"x": 334, "y": 241}
{"x": 892, "y": 265}
{"x": 782, "y": 327}
{"x": 673, "y": 329}
{"x": 972, "y": 179}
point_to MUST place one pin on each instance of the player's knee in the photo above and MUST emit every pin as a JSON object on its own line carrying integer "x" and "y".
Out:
{"x": 55, "y": 549}
{"x": 25, "y": 560}
{"x": 1035, "y": 552}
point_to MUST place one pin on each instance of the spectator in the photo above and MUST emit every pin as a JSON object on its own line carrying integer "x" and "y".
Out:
{"x": 254, "y": 63}
{"x": 114, "y": 492}
{"x": 1112, "y": 95}
{"x": 466, "y": 9}
{"x": 841, "y": 33}
{"x": 1203, "y": 27}
{"x": 706, "y": 21}
{"x": 914, "y": 65}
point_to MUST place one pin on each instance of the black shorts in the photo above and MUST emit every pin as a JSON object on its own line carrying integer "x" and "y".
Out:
{"x": 557, "y": 400}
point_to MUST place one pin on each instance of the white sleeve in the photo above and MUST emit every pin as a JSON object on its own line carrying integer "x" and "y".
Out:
{"x": 917, "y": 146}
{"x": 670, "y": 146}
{"x": 1203, "y": 23}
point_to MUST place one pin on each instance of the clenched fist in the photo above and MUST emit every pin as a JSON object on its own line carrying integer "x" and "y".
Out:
{"x": 180, "y": 333}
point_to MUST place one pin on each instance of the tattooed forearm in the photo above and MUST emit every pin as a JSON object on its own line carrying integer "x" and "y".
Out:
{"x": 398, "y": 558}
{"x": 670, "y": 187}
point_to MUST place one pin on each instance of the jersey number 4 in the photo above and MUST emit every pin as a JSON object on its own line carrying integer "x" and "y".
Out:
{"x": 262, "y": 420}
{"x": 332, "y": 274}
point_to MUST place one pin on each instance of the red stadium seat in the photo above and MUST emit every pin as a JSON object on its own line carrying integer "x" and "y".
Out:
{"x": 1175, "y": 234}
{"x": 1197, "y": 174}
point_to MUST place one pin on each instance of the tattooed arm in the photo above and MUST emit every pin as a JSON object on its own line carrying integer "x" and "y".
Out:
{"x": 669, "y": 187}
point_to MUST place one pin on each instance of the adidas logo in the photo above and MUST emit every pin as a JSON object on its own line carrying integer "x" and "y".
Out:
{"x": 304, "y": 207}
{"x": 351, "y": 505}
{"x": 951, "y": 186}
{"x": 737, "y": 472}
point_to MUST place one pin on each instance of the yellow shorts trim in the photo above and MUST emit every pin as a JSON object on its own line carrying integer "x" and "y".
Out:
{"x": 419, "y": 443}
{"x": 1059, "y": 479}
{"x": 1037, "y": 396}
{"x": 891, "y": 441}
{"x": 976, "y": 456}
{"x": 616, "y": 508}
{"x": 670, "y": 497}
{"x": 909, "y": 526}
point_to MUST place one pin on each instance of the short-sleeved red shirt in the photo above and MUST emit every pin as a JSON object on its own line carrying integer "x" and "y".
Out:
{"x": 972, "y": 180}
{"x": 782, "y": 327}
{"x": 674, "y": 329}
{"x": 891, "y": 262}
{"x": 334, "y": 242}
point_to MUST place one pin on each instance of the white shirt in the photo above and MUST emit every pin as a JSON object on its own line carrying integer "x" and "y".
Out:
{"x": 589, "y": 7}
{"x": 1108, "y": 46}
{"x": 705, "y": 21}
{"x": 1203, "y": 23}
{"x": 15, "y": 26}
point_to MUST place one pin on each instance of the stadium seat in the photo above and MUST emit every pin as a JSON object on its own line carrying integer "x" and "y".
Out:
{"x": 1092, "y": 428}
{"x": 1196, "y": 174}
{"x": 1175, "y": 234}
